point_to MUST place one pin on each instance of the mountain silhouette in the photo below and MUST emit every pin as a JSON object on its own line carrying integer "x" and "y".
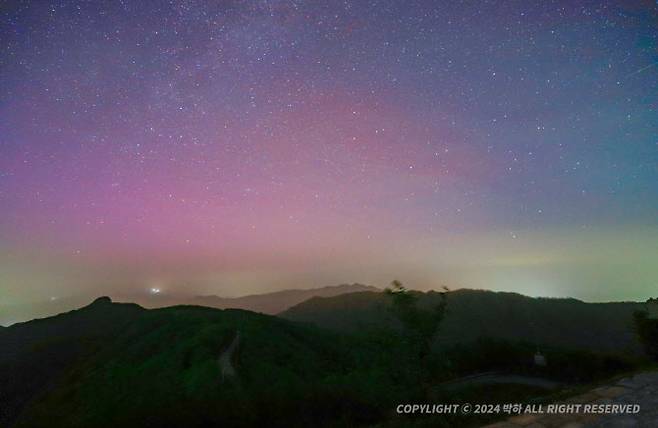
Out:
{"x": 478, "y": 313}
{"x": 114, "y": 364}
{"x": 278, "y": 301}
{"x": 117, "y": 364}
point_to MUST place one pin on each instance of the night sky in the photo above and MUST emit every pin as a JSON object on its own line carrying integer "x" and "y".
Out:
{"x": 233, "y": 147}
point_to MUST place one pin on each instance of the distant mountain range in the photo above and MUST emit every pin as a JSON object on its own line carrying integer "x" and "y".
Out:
{"x": 477, "y": 313}
{"x": 273, "y": 303}
{"x": 267, "y": 303}
{"x": 471, "y": 314}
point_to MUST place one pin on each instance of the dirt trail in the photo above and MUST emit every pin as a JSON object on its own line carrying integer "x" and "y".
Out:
{"x": 225, "y": 358}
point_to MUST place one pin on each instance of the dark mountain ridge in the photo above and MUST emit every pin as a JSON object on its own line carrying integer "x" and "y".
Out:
{"x": 278, "y": 301}
{"x": 478, "y": 313}
{"x": 34, "y": 354}
{"x": 118, "y": 364}
{"x": 115, "y": 364}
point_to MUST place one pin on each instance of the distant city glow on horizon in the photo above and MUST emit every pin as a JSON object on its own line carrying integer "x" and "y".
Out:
{"x": 241, "y": 147}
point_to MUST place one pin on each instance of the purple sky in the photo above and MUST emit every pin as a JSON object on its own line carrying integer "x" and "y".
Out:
{"x": 237, "y": 147}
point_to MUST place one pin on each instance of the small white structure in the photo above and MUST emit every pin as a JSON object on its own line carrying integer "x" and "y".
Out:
{"x": 540, "y": 360}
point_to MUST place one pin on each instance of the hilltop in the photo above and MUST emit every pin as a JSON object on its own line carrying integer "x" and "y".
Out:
{"x": 35, "y": 354}
{"x": 110, "y": 364}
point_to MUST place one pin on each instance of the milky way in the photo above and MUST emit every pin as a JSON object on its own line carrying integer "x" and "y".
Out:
{"x": 236, "y": 147}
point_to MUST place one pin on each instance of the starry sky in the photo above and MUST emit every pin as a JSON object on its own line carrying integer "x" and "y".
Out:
{"x": 233, "y": 147}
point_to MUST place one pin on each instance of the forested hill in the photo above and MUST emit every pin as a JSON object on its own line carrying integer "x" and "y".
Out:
{"x": 119, "y": 365}
{"x": 477, "y": 313}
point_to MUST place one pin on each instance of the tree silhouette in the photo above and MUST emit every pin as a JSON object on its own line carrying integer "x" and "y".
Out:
{"x": 420, "y": 324}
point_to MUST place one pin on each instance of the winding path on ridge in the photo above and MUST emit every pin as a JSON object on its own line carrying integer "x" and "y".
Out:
{"x": 226, "y": 357}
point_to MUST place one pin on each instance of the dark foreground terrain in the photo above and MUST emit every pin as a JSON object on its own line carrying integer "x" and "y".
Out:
{"x": 120, "y": 365}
